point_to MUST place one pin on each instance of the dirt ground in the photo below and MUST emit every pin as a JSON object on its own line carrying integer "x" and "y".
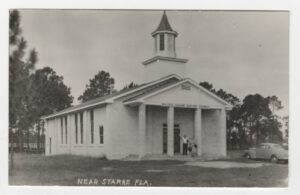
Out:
{"x": 67, "y": 170}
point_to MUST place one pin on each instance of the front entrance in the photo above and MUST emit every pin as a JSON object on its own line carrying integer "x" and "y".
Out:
{"x": 176, "y": 138}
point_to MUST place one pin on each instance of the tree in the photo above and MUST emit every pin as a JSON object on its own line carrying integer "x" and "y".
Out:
{"x": 19, "y": 72}
{"x": 221, "y": 93}
{"x": 255, "y": 112}
{"x": 102, "y": 84}
{"x": 286, "y": 127}
{"x": 275, "y": 103}
{"x": 208, "y": 86}
{"x": 48, "y": 94}
{"x": 129, "y": 86}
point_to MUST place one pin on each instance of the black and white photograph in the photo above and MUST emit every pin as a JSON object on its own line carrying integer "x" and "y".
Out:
{"x": 148, "y": 98}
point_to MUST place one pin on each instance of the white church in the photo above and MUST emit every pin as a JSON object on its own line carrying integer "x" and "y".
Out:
{"x": 146, "y": 120}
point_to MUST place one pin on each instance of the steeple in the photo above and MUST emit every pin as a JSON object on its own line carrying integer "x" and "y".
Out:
{"x": 164, "y": 38}
{"x": 164, "y": 26}
{"x": 164, "y": 61}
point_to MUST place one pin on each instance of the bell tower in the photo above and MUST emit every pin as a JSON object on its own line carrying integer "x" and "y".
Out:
{"x": 165, "y": 61}
{"x": 164, "y": 38}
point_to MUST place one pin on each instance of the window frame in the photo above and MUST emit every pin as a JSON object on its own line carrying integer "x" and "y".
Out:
{"x": 161, "y": 42}
{"x": 66, "y": 129}
{"x": 92, "y": 125}
{"x": 81, "y": 127}
{"x": 61, "y": 130}
{"x": 76, "y": 128}
{"x": 101, "y": 134}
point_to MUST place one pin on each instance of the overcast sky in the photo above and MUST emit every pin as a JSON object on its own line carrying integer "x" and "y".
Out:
{"x": 240, "y": 52}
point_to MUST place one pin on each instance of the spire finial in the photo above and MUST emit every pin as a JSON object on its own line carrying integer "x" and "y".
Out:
{"x": 164, "y": 25}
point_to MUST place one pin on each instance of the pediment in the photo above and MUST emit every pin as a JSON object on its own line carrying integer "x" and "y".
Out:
{"x": 186, "y": 94}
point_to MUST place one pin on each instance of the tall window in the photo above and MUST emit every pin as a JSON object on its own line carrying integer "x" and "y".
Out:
{"x": 76, "y": 129}
{"x": 101, "y": 134}
{"x": 81, "y": 128}
{"x": 66, "y": 128}
{"x": 161, "y": 42}
{"x": 92, "y": 126}
{"x": 173, "y": 43}
{"x": 62, "y": 130}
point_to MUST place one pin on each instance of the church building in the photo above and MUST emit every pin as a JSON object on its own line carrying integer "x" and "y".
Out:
{"x": 147, "y": 119}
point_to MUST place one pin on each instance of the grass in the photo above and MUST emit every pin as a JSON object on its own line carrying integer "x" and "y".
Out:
{"x": 33, "y": 169}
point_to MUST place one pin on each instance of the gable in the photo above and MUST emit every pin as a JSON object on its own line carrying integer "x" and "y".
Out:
{"x": 185, "y": 93}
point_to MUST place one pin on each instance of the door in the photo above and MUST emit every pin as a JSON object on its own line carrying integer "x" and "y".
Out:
{"x": 176, "y": 138}
{"x": 165, "y": 138}
{"x": 50, "y": 145}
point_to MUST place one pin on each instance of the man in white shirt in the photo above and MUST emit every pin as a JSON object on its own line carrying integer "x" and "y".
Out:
{"x": 185, "y": 141}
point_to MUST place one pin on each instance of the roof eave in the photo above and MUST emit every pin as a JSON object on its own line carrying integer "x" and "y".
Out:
{"x": 75, "y": 110}
{"x": 164, "y": 58}
{"x": 164, "y": 31}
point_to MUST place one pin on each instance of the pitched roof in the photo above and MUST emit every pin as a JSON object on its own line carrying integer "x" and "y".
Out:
{"x": 152, "y": 89}
{"x": 164, "y": 25}
{"x": 104, "y": 99}
{"x": 168, "y": 85}
{"x": 132, "y": 94}
{"x": 165, "y": 59}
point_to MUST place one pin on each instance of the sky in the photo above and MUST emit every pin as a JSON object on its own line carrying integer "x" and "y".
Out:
{"x": 242, "y": 52}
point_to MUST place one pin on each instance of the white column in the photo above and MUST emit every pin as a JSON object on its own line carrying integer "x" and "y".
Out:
{"x": 142, "y": 130}
{"x": 85, "y": 131}
{"x": 223, "y": 132}
{"x": 198, "y": 130}
{"x": 57, "y": 134}
{"x": 170, "y": 122}
{"x": 70, "y": 131}
{"x": 46, "y": 124}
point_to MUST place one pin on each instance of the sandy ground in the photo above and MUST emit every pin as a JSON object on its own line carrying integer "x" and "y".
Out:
{"x": 225, "y": 164}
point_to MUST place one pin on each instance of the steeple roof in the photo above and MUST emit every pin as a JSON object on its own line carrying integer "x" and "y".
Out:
{"x": 164, "y": 25}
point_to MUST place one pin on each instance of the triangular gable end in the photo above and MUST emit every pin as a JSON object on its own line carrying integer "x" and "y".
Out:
{"x": 185, "y": 93}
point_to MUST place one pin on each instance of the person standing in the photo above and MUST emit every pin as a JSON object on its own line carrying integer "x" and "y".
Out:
{"x": 185, "y": 142}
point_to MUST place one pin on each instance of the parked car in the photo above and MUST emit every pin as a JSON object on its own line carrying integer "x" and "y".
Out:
{"x": 272, "y": 151}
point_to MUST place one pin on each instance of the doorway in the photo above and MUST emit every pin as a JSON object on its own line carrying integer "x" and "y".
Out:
{"x": 176, "y": 138}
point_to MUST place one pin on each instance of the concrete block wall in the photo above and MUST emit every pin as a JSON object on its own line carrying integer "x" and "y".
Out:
{"x": 123, "y": 130}
{"x": 53, "y": 130}
{"x": 213, "y": 133}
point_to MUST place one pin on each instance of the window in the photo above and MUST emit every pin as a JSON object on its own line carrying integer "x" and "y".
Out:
{"x": 62, "y": 130}
{"x": 173, "y": 43}
{"x": 81, "y": 128}
{"x": 161, "y": 42}
{"x": 92, "y": 126}
{"x": 76, "y": 129}
{"x": 101, "y": 135}
{"x": 66, "y": 128}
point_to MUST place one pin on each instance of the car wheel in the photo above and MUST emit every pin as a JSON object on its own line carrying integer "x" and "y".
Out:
{"x": 248, "y": 156}
{"x": 274, "y": 159}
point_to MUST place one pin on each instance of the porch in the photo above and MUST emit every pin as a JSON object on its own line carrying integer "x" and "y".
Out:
{"x": 159, "y": 128}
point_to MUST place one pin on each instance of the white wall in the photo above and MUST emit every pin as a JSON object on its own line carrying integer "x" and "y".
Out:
{"x": 213, "y": 133}
{"x": 162, "y": 68}
{"x": 53, "y": 130}
{"x": 123, "y": 130}
{"x": 177, "y": 95}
